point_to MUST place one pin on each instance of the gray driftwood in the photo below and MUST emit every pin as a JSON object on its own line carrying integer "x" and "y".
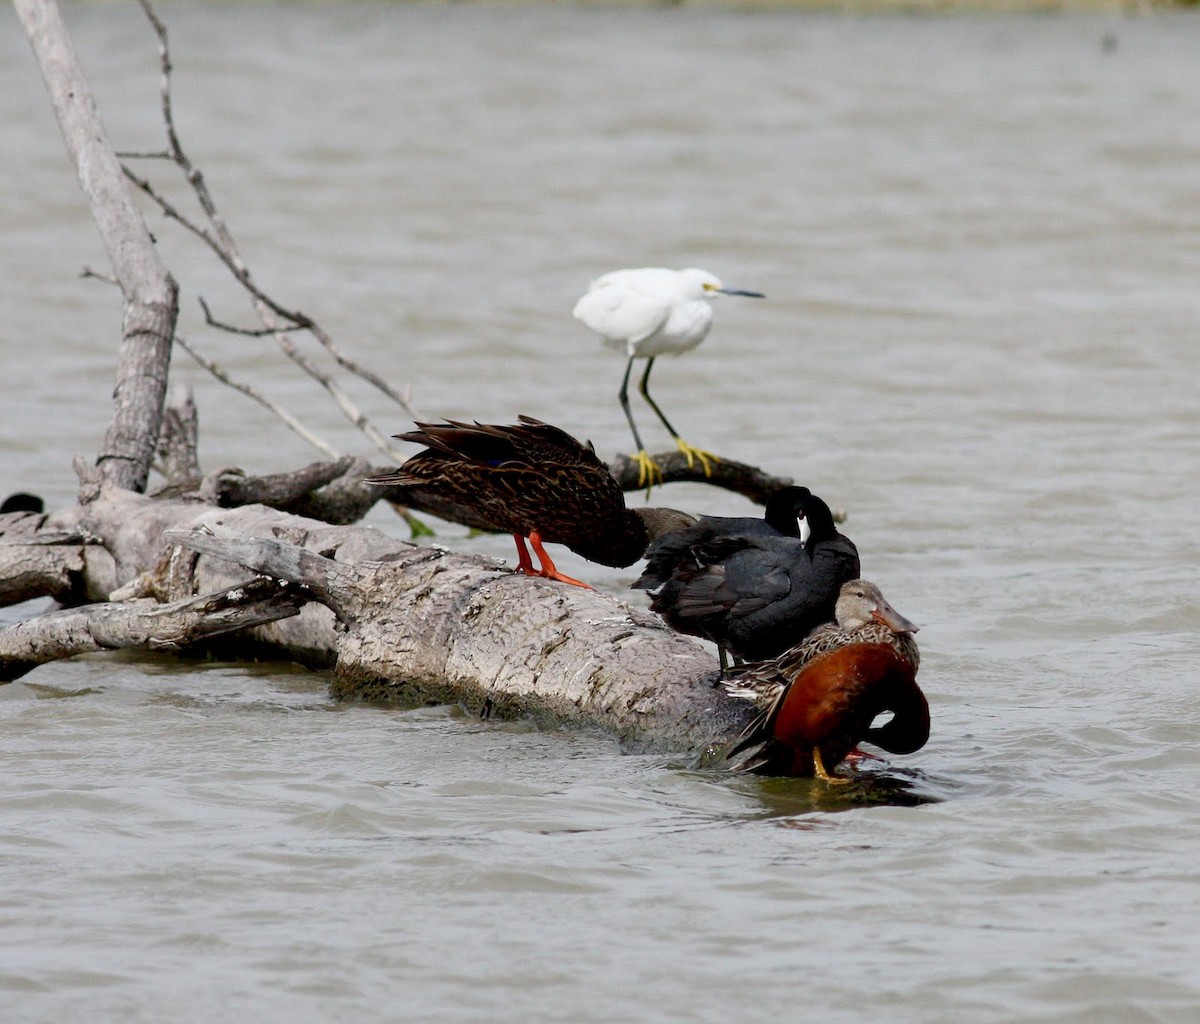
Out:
{"x": 143, "y": 624}
{"x": 151, "y": 297}
{"x": 397, "y": 622}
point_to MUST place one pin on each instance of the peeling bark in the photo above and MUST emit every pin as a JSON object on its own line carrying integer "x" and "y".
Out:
{"x": 426, "y": 625}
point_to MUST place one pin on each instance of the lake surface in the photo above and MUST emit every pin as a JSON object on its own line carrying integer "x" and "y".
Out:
{"x": 980, "y": 240}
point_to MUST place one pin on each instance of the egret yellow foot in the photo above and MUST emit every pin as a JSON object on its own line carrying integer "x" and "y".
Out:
{"x": 822, "y": 774}
{"x": 694, "y": 455}
{"x": 649, "y": 471}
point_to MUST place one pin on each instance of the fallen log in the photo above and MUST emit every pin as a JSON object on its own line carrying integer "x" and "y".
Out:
{"x": 407, "y": 624}
{"x": 412, "y": 624}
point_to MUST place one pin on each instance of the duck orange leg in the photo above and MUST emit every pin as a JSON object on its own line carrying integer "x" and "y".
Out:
{"x": 548, "y": 569}
{"x": 524, "y": 562}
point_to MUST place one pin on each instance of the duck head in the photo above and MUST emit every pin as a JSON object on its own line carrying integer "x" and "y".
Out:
{"x": 860, "y": 602}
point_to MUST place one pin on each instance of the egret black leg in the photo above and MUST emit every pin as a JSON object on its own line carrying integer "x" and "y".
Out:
{"x": 644, "y": 388}
{"x": 649, "y": 472}
{"x": 691, "y": 452}
{"x": 624, "y": 396}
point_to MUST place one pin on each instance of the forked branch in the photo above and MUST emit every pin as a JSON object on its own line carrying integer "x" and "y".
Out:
{"x": 270, "y": 312}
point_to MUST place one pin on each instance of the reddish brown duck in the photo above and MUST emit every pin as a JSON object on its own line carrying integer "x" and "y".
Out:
{"x": 821, "y": 696}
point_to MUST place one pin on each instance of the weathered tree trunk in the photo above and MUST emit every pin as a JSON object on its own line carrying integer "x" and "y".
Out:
{"x": 400, "y": 622}
{"x": 150, "y": 293}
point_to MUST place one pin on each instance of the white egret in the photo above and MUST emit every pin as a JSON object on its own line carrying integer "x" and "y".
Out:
{"x": 648, "y": 312}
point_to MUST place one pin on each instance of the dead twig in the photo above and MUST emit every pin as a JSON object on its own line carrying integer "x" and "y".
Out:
{"x": 220, "y": 241}
{"x": 251, "y": 392}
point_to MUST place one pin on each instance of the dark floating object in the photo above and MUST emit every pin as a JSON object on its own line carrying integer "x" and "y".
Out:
{"x": 534, "y": 481}
{"x": 755, "y": 588}
{"x": 22, "y": 502}
{"x": 822, "y": 696}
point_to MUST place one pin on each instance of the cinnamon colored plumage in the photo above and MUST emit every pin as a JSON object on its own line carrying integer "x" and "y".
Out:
{"x": 821, "y": 697}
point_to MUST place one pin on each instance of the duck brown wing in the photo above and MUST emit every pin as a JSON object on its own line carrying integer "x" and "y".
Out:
{"x": 545, "y": 444}
{"x": 756, "y": 735}
{"x": 485, "y": 443}
{"x": 522, "y": 478}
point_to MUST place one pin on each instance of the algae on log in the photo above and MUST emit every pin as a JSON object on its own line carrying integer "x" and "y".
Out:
{"x": 410, "y": 624}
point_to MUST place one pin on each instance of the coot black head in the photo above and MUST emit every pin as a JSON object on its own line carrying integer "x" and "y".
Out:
{"x": 785, "y": 508}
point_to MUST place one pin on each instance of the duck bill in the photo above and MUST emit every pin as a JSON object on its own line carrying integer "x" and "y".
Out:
{"x": 742, "y": 292}
{"x": 891, "y": 618}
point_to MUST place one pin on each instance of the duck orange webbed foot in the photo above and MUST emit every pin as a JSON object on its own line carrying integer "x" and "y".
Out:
{"x": 549, "y": 571}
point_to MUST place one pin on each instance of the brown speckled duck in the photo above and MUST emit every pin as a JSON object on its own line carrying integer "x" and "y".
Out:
{"x": 533, "y": 480}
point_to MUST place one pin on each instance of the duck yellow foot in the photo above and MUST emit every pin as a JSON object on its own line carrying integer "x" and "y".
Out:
{"x": 820, "y": 772}
{"x": 694, "y": 455}
{"x": 649, "y": 471}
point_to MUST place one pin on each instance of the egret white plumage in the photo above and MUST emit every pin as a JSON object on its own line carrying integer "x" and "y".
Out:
{"x": 649, "y": 312}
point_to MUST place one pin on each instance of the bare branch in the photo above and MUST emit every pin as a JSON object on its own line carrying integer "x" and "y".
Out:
{"x": 739, "y": 477}
{"x": 249, "y": 332}
{"x": 220, "y": 241}
{"x": 99, "y": 275}
{"x": 150, "y": 293}
{"x": 134, "y": 154}
{"x": 251, "y": 392}
{"x": 282, "y": 490}
{"x": 144, "y": 624}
